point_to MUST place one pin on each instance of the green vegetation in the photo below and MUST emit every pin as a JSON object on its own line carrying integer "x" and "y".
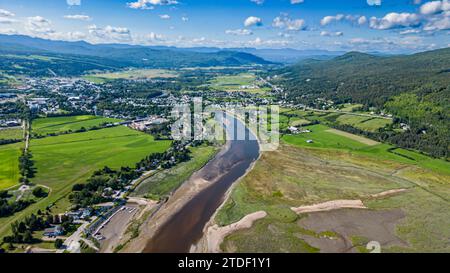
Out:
{"x": 164, "y": 182}
{"x": 414, "y": 88}
{"x": 131, "y": 75}
{"x": 11, "y": 133}
{"x": 54, "y": 125}
{"x": 338, "y": 167}
{"x": 323, "y": 138}
{"x": 63, "y": 161}
{"x": 9, "y": 165}
{"x": 244, "y": 82}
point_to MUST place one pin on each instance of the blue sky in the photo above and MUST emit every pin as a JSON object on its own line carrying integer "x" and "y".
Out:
{"x": 364, "y": 25}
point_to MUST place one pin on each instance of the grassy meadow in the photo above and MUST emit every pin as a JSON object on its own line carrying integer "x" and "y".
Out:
{"x": 15, "y": 133}
{"x": 43, "y": 126}
{"x": 131, "y": 75}
{"x": 164, "y": 182}
{"x": 339, "y": 167}
{"x": 235, "y": 82}
{"x": 65, "y": 160}
{"x": 9, "y": 165}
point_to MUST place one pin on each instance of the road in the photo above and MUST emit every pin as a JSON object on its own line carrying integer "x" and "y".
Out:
{"x": 72, "y": 243}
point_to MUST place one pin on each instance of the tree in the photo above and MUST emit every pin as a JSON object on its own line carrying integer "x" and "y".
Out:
{"x": 58, "y": 243}
{"x": 27, "y": 237}
{"x": 39, "y": 192}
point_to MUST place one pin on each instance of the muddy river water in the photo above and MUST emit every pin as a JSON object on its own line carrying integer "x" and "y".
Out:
{"x": 185, "y": 228}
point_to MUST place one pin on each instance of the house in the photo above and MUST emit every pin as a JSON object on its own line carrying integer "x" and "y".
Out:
{"x": 294, "y": 130}
{"x": 54, "y": 231}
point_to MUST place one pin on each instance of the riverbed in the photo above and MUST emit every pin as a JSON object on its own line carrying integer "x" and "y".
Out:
{"x": 185, "y": 227}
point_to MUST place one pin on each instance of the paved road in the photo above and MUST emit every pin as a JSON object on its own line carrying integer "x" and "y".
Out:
{"x": 72, "y": 244}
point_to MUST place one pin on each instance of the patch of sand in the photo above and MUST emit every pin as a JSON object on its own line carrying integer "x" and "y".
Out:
{"x": 331, "y": 205}
{"x": 388, "y": 193}
{"x": 215, "y": 234}
{"x": 360, "y": 139}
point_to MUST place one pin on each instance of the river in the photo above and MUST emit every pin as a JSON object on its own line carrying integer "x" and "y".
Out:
{"x": 185, "y": 228}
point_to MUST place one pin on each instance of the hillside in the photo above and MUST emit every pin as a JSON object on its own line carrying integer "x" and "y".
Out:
{"x": 34, "y": 57}
{"x": 415, "y": 88}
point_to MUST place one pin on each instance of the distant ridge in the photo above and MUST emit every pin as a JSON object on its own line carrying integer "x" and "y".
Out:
{"x": 128, "y": 55}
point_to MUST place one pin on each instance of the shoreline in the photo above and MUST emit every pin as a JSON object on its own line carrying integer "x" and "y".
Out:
{"x": 182, "y": 196}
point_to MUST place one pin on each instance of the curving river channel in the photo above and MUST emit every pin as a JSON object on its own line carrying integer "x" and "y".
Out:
{"x": 185, "y": 228}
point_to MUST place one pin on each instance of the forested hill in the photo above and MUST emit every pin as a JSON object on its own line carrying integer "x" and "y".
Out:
{"x": 415, "y": 88}
{"x": 73, "y": 58}
{"x": 369, "y": 79}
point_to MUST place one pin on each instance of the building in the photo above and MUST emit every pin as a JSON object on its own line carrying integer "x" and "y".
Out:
{"x": 54, "y": 231}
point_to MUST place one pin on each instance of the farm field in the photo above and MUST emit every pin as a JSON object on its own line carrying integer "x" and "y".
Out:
{"x": 63, "y": 161}
{"x": 43, "y": 126}
{"x": 298, "y": 174}
{"x": 164, "y": 182}
{"x": 9, "y": 165}
{"x": 363, "y": 122}
{"x": 16, "y": 133}
{"x": 132, "y": 75}
{"x": 235, "y": 83}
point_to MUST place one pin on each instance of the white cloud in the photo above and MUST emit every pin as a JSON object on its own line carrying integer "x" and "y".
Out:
{"x": 164, "y": 16}
{"x": 73, "y": 2}
{"x": 148, "y": 4}
{"x": 78, "y": 17}
{"x": 258, "y": 42}
{"x": 434, "y": 7}
{"x": 253, "y": 21}
{"x": 286, "y": 23}
{"x": 258, "y": 2}
{"x": 395, "y": 20}
{"x": 374, "y": 2}
{"x": 5, "y": 13}
{"x": 39, "y": 25}
{"x": 362, "y": 20}
{"x": 4, "y": 20}
{"x": 184, "y": 19}
{"x": 239, "y": 32}
{"x": 438, "y": 24}
{"x": 109, "y": 33}
{"x": 293, "y": 2}
{"x": 330, "y": 34}
{"x": 329, "y": 19}
{"x": 410, "y": 31}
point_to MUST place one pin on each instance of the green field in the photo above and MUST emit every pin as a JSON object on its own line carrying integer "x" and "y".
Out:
{"x": 9, "y": 165}
{"x": 323, "y": 139}
{"x": 65, "y": 160}
{"x": 11, "y": 133}
{"x": 164, "y": 182}
{"x": 43, "y": 126}
{"x": 363, "y": 122}
{"x": 234, "y": 83}
{"x": 132, "y": 75}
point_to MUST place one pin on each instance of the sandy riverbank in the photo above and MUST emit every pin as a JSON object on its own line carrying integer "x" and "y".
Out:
{"x": 215, "y": 235}
{"x": 188, "y": 190}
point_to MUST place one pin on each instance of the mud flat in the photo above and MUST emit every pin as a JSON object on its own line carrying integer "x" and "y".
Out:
{"x": 354, "y": 229}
